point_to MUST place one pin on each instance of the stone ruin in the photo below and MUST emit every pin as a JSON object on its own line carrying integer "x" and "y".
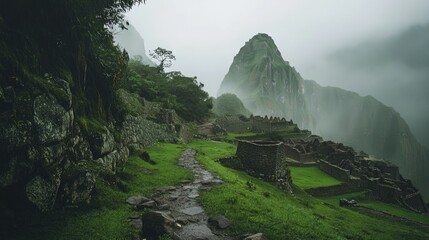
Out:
{"x": 302, "y": 151}
{"x": 263, "y": 159}
{"x": 258, "y": 124}
{"x": 268, "y": 160}
{"x": 207, "y": 130}
{"x": 343, "y": 163}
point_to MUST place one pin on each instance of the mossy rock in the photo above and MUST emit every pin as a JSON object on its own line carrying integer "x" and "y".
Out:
{"x": 127, "y": 103}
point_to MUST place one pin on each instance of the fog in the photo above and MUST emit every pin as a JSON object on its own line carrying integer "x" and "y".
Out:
{"x": 395, "y": 70}
{"x": 356, "y": 45}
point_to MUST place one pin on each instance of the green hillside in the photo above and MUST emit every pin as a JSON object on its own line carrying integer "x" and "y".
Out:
{"x": 260, "y": 208}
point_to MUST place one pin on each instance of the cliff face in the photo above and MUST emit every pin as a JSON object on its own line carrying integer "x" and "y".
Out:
{"x": 265, "y": 83}
{"x": 366, "y": 124}
{"x": 49, "y": 156}
{"x": 133, "y": 43}
{"x": 270, "y": 86}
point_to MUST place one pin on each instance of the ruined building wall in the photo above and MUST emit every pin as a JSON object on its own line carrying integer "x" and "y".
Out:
{"x": 257, "y": 124}
{"x": 294, "y": 153}
{"x": 260, "y": 124}
{"x": 233, "y": 124}
{"x": 258, "y": 158}
{"x": 334, "y": 171}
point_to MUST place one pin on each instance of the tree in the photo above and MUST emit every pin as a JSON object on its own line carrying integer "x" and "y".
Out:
{"x": 69, "y": 38}
{"x": 164, "y": 57}
{"x": 192, "y": 102}
{"x": 229, "y": 104}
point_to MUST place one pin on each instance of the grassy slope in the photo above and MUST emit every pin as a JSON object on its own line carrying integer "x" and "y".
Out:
{"x": 283, "y": 216}
{"x": 232, "y": 136}
{"x": 108, "y": 217}
{"x": 389, "y": 208}
{"x": 311, "y": 177}
{"x": 264, "y": 209}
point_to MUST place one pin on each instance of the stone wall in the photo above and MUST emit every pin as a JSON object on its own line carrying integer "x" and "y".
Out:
{"x": 234, "y": 124}
{"x": 142, "y": 132}
{"x": 334, "y": 190}
{"x": 299, "y": 155}
{"x": 416, "y": 202}
{"x": 259, "y": 157}
{"x": 292, "y": 152}
{"x": 260, "y": 124}
{"x": 334, "y": 171}
{"x": 49, "y": 156}
{"x": 266, "y": 160}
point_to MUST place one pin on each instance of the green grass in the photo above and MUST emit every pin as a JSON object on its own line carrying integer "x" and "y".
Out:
{"x": 262, "y": 208}
{"x": 397, "y": 211}
{"x": 311, "y": 177}
{"x": 106, "y": 218}
{"x": 232, "y": 136}
{"x": 377, "y": 205}
{"x": 279, "y": 215}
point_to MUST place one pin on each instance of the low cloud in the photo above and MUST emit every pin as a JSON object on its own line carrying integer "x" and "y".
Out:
{"x": 395, "y": 70}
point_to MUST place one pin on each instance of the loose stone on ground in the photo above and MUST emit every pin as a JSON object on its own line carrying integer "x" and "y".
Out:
{"x": 175, "y": 209}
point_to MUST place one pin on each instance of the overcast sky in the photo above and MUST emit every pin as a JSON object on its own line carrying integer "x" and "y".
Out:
{"x": 205, "y": 35}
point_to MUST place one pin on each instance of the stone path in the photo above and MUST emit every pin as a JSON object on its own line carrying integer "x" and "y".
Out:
{"x": 180, "y": 202}
{"x": 184, "y": 205}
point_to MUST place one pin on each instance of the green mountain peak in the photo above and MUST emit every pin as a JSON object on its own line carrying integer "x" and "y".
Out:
{"x": 265, "y": 83}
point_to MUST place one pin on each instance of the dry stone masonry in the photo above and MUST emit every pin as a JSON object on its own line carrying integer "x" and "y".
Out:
{"x": 51, "y": 156}
{"x": 262, "y": 159}
{"x": 240, "y": 124}
{"x": 358, "y": 171}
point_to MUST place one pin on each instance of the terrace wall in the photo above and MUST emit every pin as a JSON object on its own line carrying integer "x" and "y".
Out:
{"x": 259, "y": 157}
{"x": 335, "y": 171}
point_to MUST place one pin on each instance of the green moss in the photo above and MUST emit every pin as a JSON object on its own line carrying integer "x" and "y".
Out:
{"x": 106, "y": 217}
{"x": 127, "y": 103}
{"x": 91, "y": 125}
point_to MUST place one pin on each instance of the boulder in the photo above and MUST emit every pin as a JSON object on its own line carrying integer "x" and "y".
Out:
{"x": 145, "y": 205}
{"x": 78, "y": 184}
{"x": 113, "y": 160}
{"x": 102, "y": 142}
{"x": 15, "y": 134}
{"x": 156, "y": 223}
{"x": 51, "y": 121}
{"x": 219, "y": 222}
{"x": 42, "y": 193}
{"x": 347, "y": 203}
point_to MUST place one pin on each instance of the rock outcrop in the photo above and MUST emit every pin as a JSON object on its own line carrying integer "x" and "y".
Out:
{"x": 265, "y": 83}
{"x": 366, "y": 124}
{"x": 130, "y": 40}
{"x": 50, "y": 157}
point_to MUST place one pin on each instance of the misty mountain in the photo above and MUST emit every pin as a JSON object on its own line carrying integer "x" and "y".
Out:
{"x": 397, "y": 70}
{"x": 367, "y": 124}
{"x": 229, "y": 104}
{"x": 265, "y": 83}
{"x": 133, "y": 43}
{"x": 269, "y": 85}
